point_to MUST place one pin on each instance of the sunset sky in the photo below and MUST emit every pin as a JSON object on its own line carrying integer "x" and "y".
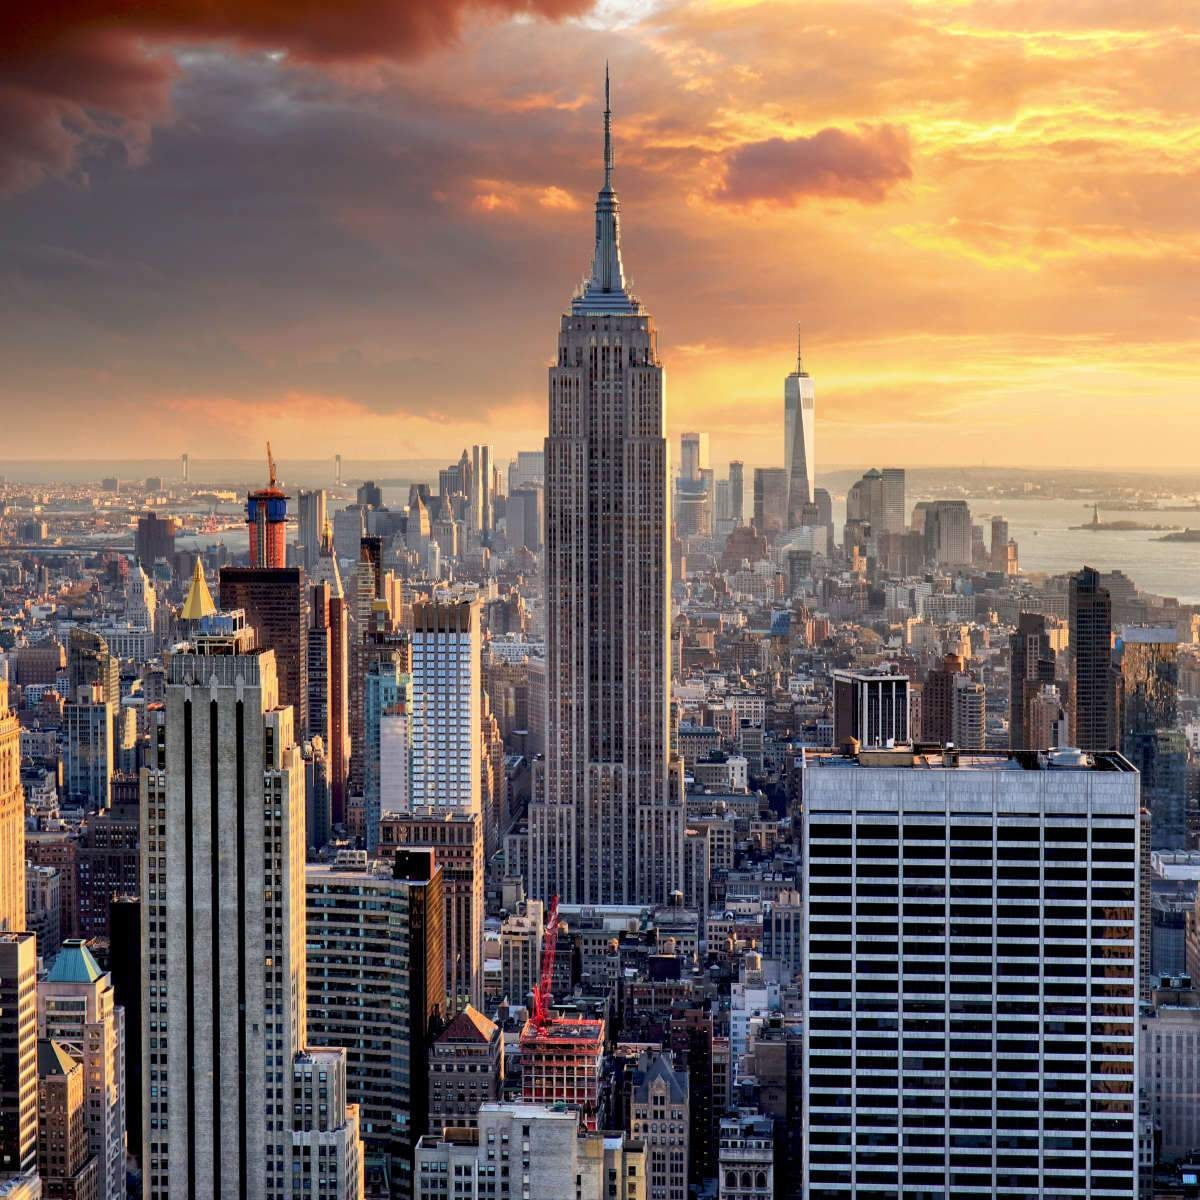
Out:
{"x": 353, "y": 226}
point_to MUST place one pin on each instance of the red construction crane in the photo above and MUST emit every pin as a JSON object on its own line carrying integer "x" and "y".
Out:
{"x": 541, "y": 992}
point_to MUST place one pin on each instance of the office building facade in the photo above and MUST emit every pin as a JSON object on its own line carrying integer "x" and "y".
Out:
{"x": 977, "y": 1036}
{"x": 606, "y": 817}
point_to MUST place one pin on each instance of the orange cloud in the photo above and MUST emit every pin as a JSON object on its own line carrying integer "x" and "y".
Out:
{"x": 863, "y": 165}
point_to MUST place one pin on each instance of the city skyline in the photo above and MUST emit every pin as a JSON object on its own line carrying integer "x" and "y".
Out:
{"x": 971, "y": 257}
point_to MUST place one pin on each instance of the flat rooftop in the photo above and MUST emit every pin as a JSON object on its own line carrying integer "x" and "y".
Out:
{"x": 929, "y": 758}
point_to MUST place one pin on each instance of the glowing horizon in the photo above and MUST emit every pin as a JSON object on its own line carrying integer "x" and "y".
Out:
{"x": 982, "y": 214}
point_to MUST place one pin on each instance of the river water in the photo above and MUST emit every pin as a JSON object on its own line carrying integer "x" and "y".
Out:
{"x": 1046, "y": 543}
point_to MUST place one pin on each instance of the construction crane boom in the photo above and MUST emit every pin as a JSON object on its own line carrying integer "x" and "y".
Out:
{"x": 541, "y": 992}
{"x": 270, "y": 465}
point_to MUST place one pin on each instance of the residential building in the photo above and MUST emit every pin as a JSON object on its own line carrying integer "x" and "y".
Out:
{"x": 466, "y": 1070}
{"x": 65, "y": 1163}
{"x": 659, "y": 1118}
{"x": 447, "y": 684}
{"x": 746, "y": 1157}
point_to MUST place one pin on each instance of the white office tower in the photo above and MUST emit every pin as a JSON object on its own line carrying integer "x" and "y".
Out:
{"x": 223, "y": 932}
{"x": 447, "y": 747}
{"x": 77, "y": 1007}
{"x": 799, "y": 417}
{"x": 606, "y": 817}
{"x": 971, "y": 975}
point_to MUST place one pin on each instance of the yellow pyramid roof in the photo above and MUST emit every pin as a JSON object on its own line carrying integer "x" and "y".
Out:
{"x": 199, "y": 602}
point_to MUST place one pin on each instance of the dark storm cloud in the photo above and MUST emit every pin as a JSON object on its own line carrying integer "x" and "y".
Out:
{"x": 863, "y": 165}
{"x": 77, "y": 74}
{"x": 287, "y": 236}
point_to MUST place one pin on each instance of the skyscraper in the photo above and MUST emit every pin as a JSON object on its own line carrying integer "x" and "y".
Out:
{"x": 18, "y": 1054}
{"x": 266, "y": 514}
{"x": 981, "y": 1023}
{"x": 1031, "y": 668}
{"x": 329, "y": 657}
{"x": 1150, "y": 736}
{"x": 224, "y": 934}
{"x": 606, "y": 818}
{"x": 377, "y": 986}
{"x": 799, "y": 416}
{"x": 154, "y": 539}
{"x": 12, "y": 819}
{"x": 77, "y": 1006}
{"x": 447, "y": 746}
{"x": 737, "y": 499}
{"x": 311, "y": 533}
{"x": 872, "y": 707}
{"x": 456, "y": 837}
{"x": 1093, "y": 678}
{"x": 275, "y": 602}
{"x": 770, "y": 500}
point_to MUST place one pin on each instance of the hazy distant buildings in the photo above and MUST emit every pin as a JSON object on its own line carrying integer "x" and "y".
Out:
{"x": 770, "y": 500}
{"x": 606, "y": 817}
{"x": 799, "y": 417}
{"x": 154, "y": 539}
{"x": 694, "y": 490}
{"x": 948, "y": 534}
{"x": 737, "y": 503}
{"x": 311, "y": 533}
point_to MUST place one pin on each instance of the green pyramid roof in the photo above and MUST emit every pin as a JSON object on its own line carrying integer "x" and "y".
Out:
{"x": 74, "y": 964}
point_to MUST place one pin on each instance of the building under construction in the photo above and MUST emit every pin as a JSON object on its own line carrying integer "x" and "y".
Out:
{"x": 266, "y": 517}
{"x": 561, "y": 1057}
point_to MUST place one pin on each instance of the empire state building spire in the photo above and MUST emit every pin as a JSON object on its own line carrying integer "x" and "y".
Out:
{"x": 606, "y": 291}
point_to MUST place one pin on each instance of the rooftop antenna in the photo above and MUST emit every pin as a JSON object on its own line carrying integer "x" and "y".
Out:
{"x": 270, "y": 465}
{"x": 608, "y": 151}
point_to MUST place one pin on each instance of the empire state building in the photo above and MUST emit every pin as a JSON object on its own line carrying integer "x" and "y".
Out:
{"x": 607, "y": 814}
